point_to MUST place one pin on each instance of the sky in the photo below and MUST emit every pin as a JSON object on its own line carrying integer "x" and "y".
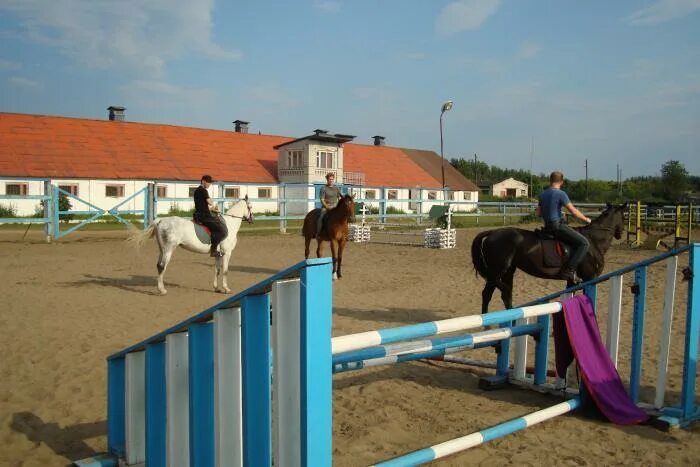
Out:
{"x": 610, "y": 82}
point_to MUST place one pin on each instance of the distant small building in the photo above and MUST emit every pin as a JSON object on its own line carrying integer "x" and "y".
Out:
{"x": 510, "y": 188}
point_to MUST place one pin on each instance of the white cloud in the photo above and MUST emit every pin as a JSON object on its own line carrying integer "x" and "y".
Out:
{"x": 7, "y": 65}
{"x": 464, "y": 15}
{"x": 528, "y": 50}
{"x": 161, "y": 94}
{"x": 328, "y": 6}
{"x": 25, "y": 83}
{"x": 663, "y": 10}
{"x": 140, "y": 36}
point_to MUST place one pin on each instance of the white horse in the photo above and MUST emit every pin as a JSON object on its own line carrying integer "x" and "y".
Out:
{"x": 171, "y": 232}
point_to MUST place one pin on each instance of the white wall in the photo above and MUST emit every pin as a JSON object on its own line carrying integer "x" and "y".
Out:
{"x": 93, "y": 191}
{"x": 499, "y": 189}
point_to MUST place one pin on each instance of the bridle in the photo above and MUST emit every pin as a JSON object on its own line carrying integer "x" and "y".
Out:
{"x": 248, "y": 218}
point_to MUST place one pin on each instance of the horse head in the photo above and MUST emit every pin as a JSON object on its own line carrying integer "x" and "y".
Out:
{"x": 242, "y": 209}
{"x": 613, "y": 217}
{"x": 348, "y": 204}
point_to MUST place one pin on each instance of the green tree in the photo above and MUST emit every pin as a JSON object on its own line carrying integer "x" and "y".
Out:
{"x": 64, "y": 205}
{"x": 674, "y": 179}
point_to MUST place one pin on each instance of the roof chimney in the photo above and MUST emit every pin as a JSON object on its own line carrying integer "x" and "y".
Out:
{"x": 117, "y": 113}
{"x": 320, "y": 132}
{"x": 379, "y": 140}
{"x": 241, "y": 126}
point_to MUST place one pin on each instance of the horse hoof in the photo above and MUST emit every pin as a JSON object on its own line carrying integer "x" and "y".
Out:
{"x": 227, "y": 290}
{"x": 335, "y": 276}
{"x": 163, "y": 292}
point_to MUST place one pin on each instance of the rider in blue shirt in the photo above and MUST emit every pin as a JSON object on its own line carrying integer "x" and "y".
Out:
{"x": 551, "y": 202}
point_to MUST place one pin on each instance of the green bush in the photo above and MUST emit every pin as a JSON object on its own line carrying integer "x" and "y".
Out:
{"x": 8, "y": 211}
{"x": 64, "y": 205}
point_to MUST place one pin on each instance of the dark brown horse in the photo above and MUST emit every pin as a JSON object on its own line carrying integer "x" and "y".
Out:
{"x": 335, "y": 231}
{"x": 496, "y": 254}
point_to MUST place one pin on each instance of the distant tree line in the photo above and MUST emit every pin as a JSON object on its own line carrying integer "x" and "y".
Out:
{"x": 673, "y": 184}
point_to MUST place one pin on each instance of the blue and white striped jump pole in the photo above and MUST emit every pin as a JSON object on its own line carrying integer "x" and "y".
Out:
{"x": 364, "y": 340}
{"x": 456, "y": 445}
{"x": 416, "y": 350}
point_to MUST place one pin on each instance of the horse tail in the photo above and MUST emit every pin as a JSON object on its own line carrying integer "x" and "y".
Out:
{"x": 137, "y": 238}
{"x": 478, "y": 255}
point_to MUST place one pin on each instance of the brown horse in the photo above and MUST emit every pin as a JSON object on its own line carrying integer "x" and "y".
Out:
{"x": 335, "y": 230}
{"x": 496, "y": 254}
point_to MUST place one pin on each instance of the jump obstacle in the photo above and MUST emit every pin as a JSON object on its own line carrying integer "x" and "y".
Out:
{"x": 388, "y": 233}
{"x": 657, "y": 223}
{"x": 201, "y": 392}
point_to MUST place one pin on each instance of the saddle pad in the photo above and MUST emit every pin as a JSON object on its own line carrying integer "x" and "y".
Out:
{"x": 554, "y": 253}
{"x": 206, "y": 229}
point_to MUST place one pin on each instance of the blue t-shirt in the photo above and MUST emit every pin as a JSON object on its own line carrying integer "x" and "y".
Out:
{"x": 551, "y": 202}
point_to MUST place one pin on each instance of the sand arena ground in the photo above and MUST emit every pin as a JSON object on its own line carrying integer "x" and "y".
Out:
{"x": 68, "y": 305}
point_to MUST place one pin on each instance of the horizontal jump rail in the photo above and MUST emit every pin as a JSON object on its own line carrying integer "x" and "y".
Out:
{"x": 367, "y": 339}
{"x": 456, "y": 445}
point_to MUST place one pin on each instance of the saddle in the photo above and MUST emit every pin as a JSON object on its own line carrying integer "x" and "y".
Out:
{"x": 206, "y": 229}
{"x": 555, "y": 253}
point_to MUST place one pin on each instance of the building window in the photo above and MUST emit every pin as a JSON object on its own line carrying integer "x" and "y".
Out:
{"x": 191, "y": 190}
{"x": 392, "y": 194}
{"x": 264, "y": 192}
{"x": 432, "y": 195}
{"x": 114, "y": 191}
{"x": 324, "y": 159}
{"x": 370, "y": 194}
{"x": 295, "y": 159}
{"x": 162, "y": 191}
{"x": 232, "y": 192}
{"x": 451, "y": 195}
{"x": 19, "y": 189}
{"x": 72, "y": 189}
{"x": 466, "y": 196}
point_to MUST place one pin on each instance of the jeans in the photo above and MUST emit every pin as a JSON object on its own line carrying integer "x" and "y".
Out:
{"x": 578, "y": 243}
{"x": 216, "y": 226}
{"x": 319, "y": 221}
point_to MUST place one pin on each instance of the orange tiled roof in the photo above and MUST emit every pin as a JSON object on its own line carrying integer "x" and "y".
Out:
{"x": 48, "y": 146}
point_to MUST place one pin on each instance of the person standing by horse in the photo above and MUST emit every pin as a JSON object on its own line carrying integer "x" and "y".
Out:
{"x": 328, "y": 196}
{"x": 207, "y": 213}
{"x": 549, "y": 208}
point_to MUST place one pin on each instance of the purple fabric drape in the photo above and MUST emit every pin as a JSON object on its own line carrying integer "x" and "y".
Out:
{"x": 576, "y": 335}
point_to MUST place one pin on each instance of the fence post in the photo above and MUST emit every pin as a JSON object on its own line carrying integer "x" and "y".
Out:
{"x": 316, "y": 364}
{"x": 148, "y": 203}
{"x": 640, "y": 292}
{"x": 419, "y": 206}
{"x": 382, "y": 206}
{"x": 282, "y": 204}
{"x": 692, "y": 333}
{"x": 56, "y": 212}
{"x": 47, "y": 203}
{"x": 503, "y": 208}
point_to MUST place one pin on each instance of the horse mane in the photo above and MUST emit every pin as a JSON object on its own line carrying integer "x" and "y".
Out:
{"x": 229, "y": 211}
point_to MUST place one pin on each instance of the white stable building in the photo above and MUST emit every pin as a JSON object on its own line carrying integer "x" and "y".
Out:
{"x": 104, "y": 162}
{"x": 510, "y": 188}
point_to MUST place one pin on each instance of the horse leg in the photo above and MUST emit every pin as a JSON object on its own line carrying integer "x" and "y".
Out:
{"x": 334, "y": 249}
{"x": 341, "y": 247}
{"x": 486, "y": 295}
{"x": 319, "y": 243}
{"x": 217, "y": 273}
{"x": 224, "y": 270}
{"x": 166, "y": 253}
{"x": 307, "y": 243}
{"x": 506, "y": 287}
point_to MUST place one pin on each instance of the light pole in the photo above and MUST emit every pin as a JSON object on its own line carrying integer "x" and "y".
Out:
{"x": 445, "y": 107}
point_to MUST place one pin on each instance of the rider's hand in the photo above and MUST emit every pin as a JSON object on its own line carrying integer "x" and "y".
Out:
{"x": 588, "y": 220}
